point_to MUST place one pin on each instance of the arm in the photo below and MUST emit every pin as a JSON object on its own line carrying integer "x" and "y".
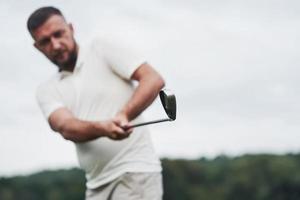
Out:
{"x": 71, "y": 128}
{"x": 149, "y": 84}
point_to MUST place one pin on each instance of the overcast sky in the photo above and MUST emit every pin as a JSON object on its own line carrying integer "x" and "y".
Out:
{"x": 233, "y": 65}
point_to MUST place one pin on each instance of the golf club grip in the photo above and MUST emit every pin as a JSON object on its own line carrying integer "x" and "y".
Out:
{"x": 151, "y": 122}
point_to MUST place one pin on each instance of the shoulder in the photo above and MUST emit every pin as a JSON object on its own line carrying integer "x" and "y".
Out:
{"x": 110, "y": 41}
{"x": 47, "y": 86}
{"x": 48, "y": 96}
{"x": 105, "y": 37}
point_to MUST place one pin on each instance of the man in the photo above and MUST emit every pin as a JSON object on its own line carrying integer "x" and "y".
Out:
{"x": 91, "y": 101}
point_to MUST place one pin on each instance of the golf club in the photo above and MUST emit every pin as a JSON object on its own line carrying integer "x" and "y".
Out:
{"x": 168, "y": 101}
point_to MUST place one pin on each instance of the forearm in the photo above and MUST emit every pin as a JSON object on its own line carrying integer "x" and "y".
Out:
{"x": 143, "y": 96}
{"x": 80, "y": 131}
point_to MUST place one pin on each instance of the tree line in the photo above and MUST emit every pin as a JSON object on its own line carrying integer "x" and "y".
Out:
{"x": 247, "y": 177}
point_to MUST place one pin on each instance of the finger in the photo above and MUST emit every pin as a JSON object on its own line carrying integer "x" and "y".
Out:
{"x": 124, "y": 123}
{"x": 123, "y": 134}
{"x": 117, "y": 122}
{"x": 113, "y": 136}
{"x": 119, "y": 130}
{"x": 126, "y": 126}
{"x": 129, "y": 130}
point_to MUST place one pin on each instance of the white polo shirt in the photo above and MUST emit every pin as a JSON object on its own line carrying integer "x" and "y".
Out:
{"x": 96, "y": 90}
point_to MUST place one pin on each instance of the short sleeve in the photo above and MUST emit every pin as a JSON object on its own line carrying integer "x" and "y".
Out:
{"x": 48, "y": 99}
{"x": 124, "y": 58}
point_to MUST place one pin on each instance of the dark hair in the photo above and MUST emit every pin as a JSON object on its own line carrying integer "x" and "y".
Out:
{"x": 40, "y": 16}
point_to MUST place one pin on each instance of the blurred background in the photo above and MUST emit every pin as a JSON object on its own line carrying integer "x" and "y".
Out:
{"x": 234, "y": 68}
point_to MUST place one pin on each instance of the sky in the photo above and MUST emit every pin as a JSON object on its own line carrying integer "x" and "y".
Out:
{"x": 233, "y": 66}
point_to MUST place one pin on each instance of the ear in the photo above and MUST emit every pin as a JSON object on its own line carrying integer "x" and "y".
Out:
{"x": 71, "y": 28}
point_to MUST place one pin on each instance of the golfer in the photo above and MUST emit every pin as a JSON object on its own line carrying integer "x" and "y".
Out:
{"x": 92, "y": 99}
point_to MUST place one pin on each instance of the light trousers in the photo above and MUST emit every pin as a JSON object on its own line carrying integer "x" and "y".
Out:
{"x": 130, "y": 186}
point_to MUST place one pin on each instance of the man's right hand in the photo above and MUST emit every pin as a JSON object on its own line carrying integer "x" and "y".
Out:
{"x": 76, "y": 130}
{"x": 113, "y": 129}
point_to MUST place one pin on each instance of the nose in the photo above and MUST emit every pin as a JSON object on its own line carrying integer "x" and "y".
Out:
{"x": 55, "y": 43}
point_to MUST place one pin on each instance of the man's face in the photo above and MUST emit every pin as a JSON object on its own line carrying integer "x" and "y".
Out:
{"x": 55, "y": 40}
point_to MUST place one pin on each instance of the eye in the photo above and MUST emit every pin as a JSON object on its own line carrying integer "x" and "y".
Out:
{"x": 57, "y": 34}
{"x": 44, "y": 41}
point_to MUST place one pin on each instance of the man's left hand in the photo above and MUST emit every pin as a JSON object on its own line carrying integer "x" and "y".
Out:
{"x": 122, "y": 120}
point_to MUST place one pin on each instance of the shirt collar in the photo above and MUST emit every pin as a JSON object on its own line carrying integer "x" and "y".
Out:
{"x": 78, "y": 65}
{"x": 79, "y": 61}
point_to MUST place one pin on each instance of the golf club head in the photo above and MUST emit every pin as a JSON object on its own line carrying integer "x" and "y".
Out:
{"x": 168, "y": 101}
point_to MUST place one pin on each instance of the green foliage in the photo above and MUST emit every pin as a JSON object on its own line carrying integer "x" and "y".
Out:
{"x": 48, "y": 185}
{"x": 248, "y": 177}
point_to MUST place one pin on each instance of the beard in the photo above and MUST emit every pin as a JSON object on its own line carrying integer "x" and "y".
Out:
{"x": 68, "y": 64}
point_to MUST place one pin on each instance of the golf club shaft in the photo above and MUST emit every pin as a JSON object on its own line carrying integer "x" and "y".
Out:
{"x": 151, "y": 122}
